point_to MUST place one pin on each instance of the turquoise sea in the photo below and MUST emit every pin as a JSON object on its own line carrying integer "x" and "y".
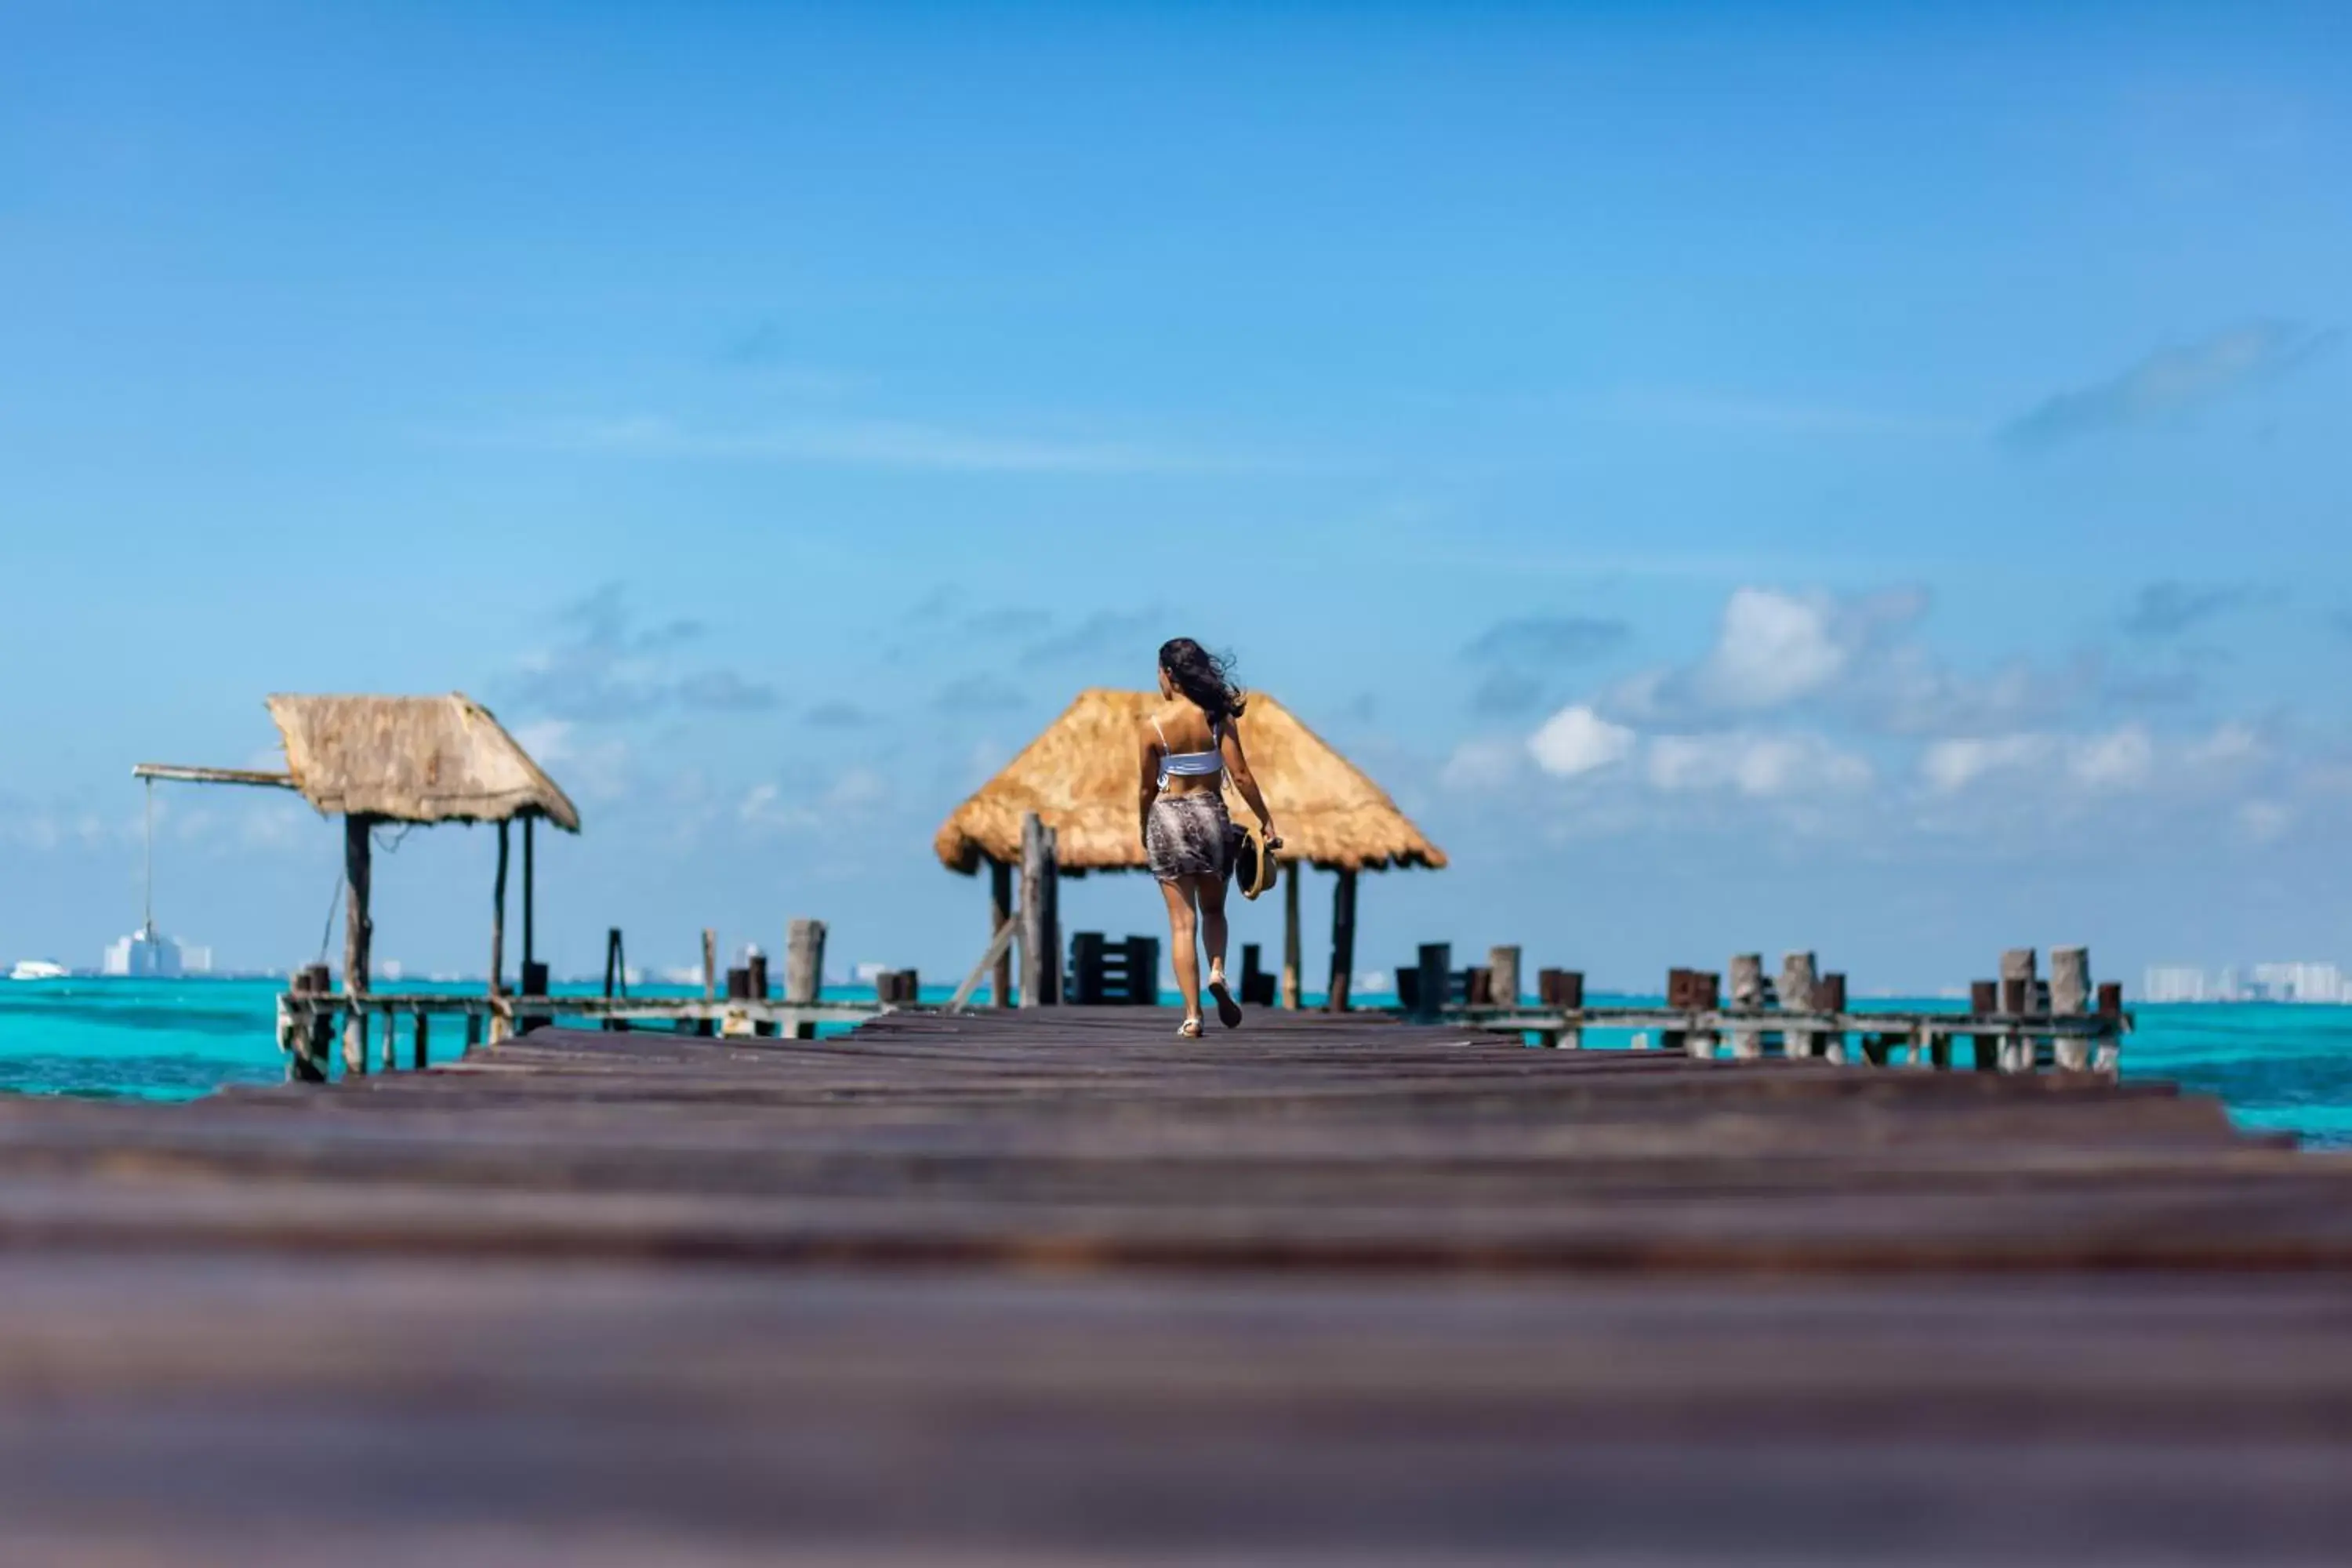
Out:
{"x": 2277, "y": 1067}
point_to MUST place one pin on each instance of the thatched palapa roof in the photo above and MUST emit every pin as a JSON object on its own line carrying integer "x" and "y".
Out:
{"x": 1079, "y": 777}
{"x": 414, "y": 759}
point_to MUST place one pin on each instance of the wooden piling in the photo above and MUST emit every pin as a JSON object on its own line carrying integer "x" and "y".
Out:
{"x": 1797, "y": 978}
{"x": 2017, "y": 987}
{"x": 1343, "y": 940}
{"x": 1829, "y": 996}
{"x": 1677, "y": 999}
{"x": 1984, "y": 1001}
{"x": 709, "y": 965}
{"x": 1503, "y": 976}
{"x": 1000, "y": 915}
{"x": 2107, "y": 1056}
{"x": 1747, "y": 996}
{"x": 359, "y": 933}
{"x": 804, "y": 968}
{"x": 1291, "y": 992}
{"x": 2069, "y": 996}
{"x": 1562, "y": 991}
{"x": 1706, "y": 996}
{"x": 1434, "y": 977}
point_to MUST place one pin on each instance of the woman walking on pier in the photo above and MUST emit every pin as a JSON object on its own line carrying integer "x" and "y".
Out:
{"x": 1187, "y": 745}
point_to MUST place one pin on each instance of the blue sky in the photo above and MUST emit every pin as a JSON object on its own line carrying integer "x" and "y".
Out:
{"x": 1742, "y": 476}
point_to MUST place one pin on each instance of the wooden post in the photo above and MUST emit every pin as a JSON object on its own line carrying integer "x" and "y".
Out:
{"x": 530, "y": 891}
{"x": 2017, "y": 987}
{"x": 1677, "y": 1000}
{"x": 2108, "y": 1057}
{"x": 804, "y": 969}
{"x": 391, "y": 1046}
{"x": 1435, "y": 976}
{"x": 1291, "y": 988}
{"x": 1000, "y": 915}
{"x": 423, "y": 1051}
{"x": 2069, "y": 996}
{"x": 1705, "y": 996}
{"x": 1036, "y": 870}
{"x": 1747, "y": 994}
{"x": 1343, "y": 940}
{"x": 616, "y": 972}
{"x": 709, "y": 965}
{"x": 1798, "y": 977}
{"x": 1984, "y": 1001}
{"x": 1051, "y": 888}
{"x": 1503, "y": 976}
{"x": 1561, "y": 990}
{"x": 499, "y": 918}
{"x": 359, "y": 933}
{"x": 1829, "y": 996}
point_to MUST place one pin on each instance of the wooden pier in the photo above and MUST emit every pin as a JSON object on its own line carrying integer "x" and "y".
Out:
{"x": 1056, "y": 1287}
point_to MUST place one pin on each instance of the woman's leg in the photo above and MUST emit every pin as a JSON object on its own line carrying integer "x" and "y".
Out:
{"x": 1182, "y": 951}
{"x": 1210, "y": 892}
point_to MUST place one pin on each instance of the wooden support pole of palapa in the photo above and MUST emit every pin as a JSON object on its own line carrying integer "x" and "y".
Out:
{"x": 1000, "y": 928}
{"x": 499, "y": 918}
{"x": 804, "y": 968}
{"x": 1343, "y": 939}
{"x": 1290, "y": 987}
{"x": 529, "y": 894}
{"x": 359, "y": 934}
{"x": 1040, "y": 947}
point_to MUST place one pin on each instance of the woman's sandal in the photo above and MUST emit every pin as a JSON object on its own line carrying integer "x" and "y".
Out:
{"x": 1190, "y": 1029}
{"x": 1229, "y": 1012}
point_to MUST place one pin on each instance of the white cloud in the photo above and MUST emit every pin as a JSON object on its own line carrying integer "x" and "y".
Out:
{"x": 1760, "y": 767}
{"x": 2121, "y": 759}
{"x": 1481, "y": 766}
{"x": 1949, "y": 766}
{"x": 1773, "y": 648}
{"x": 1576, "y": 741}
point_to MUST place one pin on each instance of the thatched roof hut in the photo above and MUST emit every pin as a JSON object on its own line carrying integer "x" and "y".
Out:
{"x": 414, "y": 759}
{"x": 1079, "y": 777}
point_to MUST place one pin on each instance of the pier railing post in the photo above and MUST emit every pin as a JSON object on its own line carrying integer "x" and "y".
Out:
{"x": 1433, "y": 975}
{"x": 2070, "y": 997}
{"x": 1829, "y": 996}
{"x": 804, "y": 969}
{"x": 1797, "y": 978}
{"x": 1747, "y": 996}
{"x": 2018, "y": 996}
{"x": 1503, "y": 976}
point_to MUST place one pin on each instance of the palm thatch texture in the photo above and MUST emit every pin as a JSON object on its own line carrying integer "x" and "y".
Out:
{"x": 414, "y": 759}
{"x": 1079, "y": 777}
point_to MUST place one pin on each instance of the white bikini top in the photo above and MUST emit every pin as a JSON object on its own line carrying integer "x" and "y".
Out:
{"x": 1191, "y": 765}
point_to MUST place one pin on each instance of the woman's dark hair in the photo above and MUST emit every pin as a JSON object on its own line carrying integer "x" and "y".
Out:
{"x": 1201, "y": 677}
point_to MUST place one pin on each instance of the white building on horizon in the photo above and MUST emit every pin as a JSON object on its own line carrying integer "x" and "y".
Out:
{"x": 2175, "y": 983}
{"x": 149, "y": 954}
